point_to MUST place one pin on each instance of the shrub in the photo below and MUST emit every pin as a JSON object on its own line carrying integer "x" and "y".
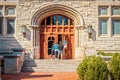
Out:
{"x": 101, "y": 53}
{"x": 114, "y": 67}
{"x": 93, "y": 68}
{"x": 105, "y": 54}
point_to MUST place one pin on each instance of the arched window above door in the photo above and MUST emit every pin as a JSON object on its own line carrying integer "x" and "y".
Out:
{"x": 57, "y": 20}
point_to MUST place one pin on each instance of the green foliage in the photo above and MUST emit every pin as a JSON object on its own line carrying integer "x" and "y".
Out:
{"x": 114, "y": 67}
{"x": 93, "y": 68}
{"x": 101, "y": 53}
{"x": 105, "y": 54}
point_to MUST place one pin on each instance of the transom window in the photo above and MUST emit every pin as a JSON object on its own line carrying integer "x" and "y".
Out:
{"x": 57, "y": 20}
{"x": 116, "y": 10}
{"x": 10, "y": 11}
{"x": 54, "y": 19}
{"x": 103, "y": 10}
{"x": 48, "y": 21}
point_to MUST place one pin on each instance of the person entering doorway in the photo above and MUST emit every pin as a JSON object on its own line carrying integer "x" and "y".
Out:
{"x": 55, "y": 50}
{"x": 65, "y": 45}
{"x": 52, "y": 51}
{"x": 60, "y": 50}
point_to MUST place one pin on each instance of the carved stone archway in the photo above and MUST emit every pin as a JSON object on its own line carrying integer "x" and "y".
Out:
{"x": 51, "y": 10}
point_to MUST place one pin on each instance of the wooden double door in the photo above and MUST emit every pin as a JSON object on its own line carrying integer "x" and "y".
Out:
{"x": 54, "y": 29}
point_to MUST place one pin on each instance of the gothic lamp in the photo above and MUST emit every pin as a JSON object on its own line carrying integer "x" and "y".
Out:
{"x": 23, "y": 29}
{"x": 89, "y": 29}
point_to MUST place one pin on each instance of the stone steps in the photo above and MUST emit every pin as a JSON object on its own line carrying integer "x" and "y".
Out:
{"x": 51, "y": 65}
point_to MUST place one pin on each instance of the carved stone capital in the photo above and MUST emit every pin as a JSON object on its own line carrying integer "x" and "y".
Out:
{"x": 33, "y": 26}
{"x": 80, "y": 27}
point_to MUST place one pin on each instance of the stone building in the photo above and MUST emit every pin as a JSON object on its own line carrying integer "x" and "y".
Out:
{"x": 87, "y": 25}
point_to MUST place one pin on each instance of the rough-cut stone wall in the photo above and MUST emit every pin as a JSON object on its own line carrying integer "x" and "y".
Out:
{"x": 87, "y": 9}
{"x": 28, "y": 9}
{"x": 108, "y": 44}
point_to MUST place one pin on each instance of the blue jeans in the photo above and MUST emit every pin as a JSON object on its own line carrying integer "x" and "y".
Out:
{"x": 56, "y": 53}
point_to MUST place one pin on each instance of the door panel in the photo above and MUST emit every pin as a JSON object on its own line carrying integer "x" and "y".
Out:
{"x": 72, "y": 45}
{"x": 69, "y": 50}
{"x": 42, "y": 46}
{"x": 48, "y": 42}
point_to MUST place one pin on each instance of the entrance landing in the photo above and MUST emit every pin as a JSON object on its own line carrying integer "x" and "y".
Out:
{"x": 42, "y": 76}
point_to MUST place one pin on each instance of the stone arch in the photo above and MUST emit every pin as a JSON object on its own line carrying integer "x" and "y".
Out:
{"x": 57, "y": 9}
{"x": 52, "y": 9}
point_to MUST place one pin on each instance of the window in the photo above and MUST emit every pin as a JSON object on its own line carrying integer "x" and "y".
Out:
{"x": 43, "y": 22}
{"x": 116, "y": 26}
{"x": 103, "y": 26}
{"x": 54, "y": 20}
{"x": 48, "y": 21}
{"x": 111, "y": 13}
{"x": 65, "y": 21}
{"x": 116, "y": 10}
{"x": 103, "y": 11}
{"x": 10, "y": 26}
{"x": 7, "y": 23}
{"x": 0, "y": 25}
{"x": 71, "y": 22}
{"x": 59, "y": 20}
{"x": 0, "y": 10}
{"x": 11, "y": 11}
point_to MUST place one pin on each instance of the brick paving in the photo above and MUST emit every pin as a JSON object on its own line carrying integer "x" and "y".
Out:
{"x": 41, "y": 76}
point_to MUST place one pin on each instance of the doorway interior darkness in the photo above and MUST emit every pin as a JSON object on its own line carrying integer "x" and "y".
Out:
{"x": 56, "y": 28}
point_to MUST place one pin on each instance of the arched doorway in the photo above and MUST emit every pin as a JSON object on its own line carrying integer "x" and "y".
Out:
{"x": 53, "y": 9}
{"x": 56, "y": 28}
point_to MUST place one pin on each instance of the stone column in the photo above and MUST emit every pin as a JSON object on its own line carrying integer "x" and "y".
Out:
{"x": 37, "y": 45}
{"x": 36, "y": 41}
{"x": 76, "y": 37}
{"x": 77, "y": 42}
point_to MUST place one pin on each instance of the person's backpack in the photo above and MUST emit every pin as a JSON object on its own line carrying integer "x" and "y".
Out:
{"x": 60, "y": 47}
